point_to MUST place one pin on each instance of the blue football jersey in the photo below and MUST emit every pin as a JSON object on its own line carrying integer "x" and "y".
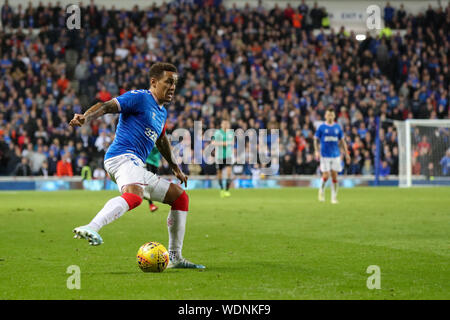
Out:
{"x": 141, "y": 122}
{"x": 329, "y": 137}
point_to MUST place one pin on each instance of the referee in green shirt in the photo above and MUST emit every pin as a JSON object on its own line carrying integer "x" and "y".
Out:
{"x": 223, "y": 139}
{"x": 152, "y": 162}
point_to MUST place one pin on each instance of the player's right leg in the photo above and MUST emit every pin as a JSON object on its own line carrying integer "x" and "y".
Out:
{"x": 113, "y": 209}
{"x": 324, "y": 168}
{"x": 130, "y": 178}
{"x": 323, "y": 182}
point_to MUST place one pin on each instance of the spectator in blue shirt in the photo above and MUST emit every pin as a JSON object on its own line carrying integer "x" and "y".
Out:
{"x": 355, "y": 167}
{"x": 385, "y": 169}
{"x": 392, "y": 99}
{"x": 445, "y": 163}
{"x": 388, "y": 14}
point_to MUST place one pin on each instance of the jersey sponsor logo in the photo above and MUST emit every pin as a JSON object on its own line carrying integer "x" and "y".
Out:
{"x": 151, "y": 134}
{"x": 139, "y": 91}
{"x": 330, "y": 139}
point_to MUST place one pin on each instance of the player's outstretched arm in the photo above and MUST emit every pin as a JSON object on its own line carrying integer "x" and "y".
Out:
{"x": 97, "y": 110}
{"x": 164, "y": 147}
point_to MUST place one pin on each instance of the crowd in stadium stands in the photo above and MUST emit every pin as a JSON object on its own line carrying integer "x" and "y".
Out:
{"x": 274, "y": 68}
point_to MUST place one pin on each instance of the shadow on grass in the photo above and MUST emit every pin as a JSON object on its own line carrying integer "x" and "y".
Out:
{"x": 121, "y": 272}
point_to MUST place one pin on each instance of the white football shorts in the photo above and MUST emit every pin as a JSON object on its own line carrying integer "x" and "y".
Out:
{"x": 330, "y": 164}
{"x": 127, "y": 169}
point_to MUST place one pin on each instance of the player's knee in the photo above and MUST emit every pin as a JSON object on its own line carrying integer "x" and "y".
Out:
{"x": 133, "y": 188}
{"x": 181, "y": 203}
{"x": 334, "y": 177}
{"x": 133, "y": 200}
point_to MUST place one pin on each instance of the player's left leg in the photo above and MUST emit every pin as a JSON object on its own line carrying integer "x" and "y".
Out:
{"x": 178, "y": 199}
{"x": 219, "y": 179}
{"x": 336, "y": 167}
{"x": 227, "y": 189}
{"x": 334, "y": 186}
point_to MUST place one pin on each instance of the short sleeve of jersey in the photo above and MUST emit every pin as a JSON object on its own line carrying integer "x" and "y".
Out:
{"x": 318, "y": 133}
{"x": 129, "y": 101}
{"x": 341, "y": 133}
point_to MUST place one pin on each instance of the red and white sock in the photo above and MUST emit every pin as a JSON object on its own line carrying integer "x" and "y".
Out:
{"x": 334, "y": 189}
{"x": 114, "y": 209}
{"x": 322, "y": 185}
{"x": 176, "y": 225}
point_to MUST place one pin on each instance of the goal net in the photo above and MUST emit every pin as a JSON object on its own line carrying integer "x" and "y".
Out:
{"x": 424, "y": 152}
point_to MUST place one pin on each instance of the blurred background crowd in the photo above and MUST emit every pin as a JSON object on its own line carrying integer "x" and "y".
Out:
{"x": 261, "y": 68}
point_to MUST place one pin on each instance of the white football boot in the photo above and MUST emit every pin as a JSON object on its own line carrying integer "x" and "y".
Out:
{"x": 84, "y": 232}
{"x": 321, "y": 195}
{"x": 182, "y": 263}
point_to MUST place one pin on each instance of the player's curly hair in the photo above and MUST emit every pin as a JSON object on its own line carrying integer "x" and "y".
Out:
{"x": 157, "y": 69}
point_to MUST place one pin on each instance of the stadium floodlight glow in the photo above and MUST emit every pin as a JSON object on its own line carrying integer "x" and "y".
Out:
{"x": 360, "y": 37}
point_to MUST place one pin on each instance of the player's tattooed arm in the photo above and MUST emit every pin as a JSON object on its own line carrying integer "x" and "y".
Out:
{"x": 164, "y": 147}
{"x": 344, "y": 146}
{"x": 100, "y": 109}
{"x": 97, "y": 110}
{"x": 316, "y": 148}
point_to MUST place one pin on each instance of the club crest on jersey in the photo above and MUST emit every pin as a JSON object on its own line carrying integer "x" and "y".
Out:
{"x": 151, "y": 134}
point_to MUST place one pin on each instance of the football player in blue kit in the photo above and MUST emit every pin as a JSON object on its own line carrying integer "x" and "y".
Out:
{"x": 330, "y": 137}
{"x": 141, "y": 127}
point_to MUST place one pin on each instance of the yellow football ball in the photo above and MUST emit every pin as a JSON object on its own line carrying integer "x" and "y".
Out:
{"x": 152, "y": 257}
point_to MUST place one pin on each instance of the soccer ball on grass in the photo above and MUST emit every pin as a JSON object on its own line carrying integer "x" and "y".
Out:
{"x": 152, "y": 257}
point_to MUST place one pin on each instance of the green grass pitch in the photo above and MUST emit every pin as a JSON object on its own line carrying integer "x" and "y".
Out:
{"x": 257, "y": 244}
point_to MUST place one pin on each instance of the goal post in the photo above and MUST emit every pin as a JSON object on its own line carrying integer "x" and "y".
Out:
{"x": 424, "y": 152}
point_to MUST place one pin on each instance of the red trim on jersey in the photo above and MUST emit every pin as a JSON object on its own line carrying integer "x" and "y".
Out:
{"x": 163, "y": 130}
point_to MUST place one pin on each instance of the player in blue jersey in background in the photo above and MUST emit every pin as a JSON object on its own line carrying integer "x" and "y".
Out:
{"x": 330, "y": 137}
{"x": 140, "y": 128}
